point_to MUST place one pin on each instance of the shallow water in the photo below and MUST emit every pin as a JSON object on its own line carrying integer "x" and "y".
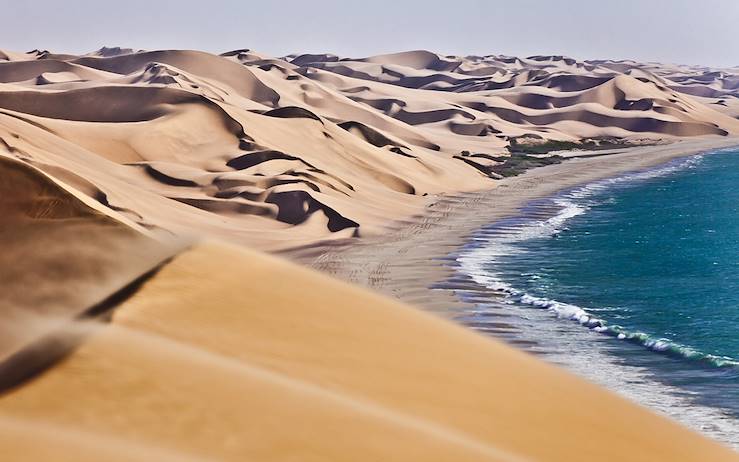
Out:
{"x": 632, "y": 282}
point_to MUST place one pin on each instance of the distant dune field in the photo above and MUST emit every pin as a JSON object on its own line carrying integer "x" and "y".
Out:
{"x": 280, "y": 152}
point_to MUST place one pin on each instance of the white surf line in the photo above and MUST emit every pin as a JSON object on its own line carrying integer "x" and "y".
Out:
{"x": 472, "y": 262}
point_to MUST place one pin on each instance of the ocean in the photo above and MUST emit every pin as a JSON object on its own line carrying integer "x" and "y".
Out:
{"x": 631, "y": 282}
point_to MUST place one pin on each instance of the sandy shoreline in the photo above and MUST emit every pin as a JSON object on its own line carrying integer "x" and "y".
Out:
{"x": 409, "y": 258}
{"x": 416, "y": 256}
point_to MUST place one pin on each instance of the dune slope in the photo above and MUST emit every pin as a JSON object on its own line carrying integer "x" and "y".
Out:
{"x": 62, "y": 259}
{"x": 227, "y": 354}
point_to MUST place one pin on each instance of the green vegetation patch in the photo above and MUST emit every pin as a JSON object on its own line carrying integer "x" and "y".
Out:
{"x": 517, "y": 163}
{"x": 504, "y": 166}
{"x": 535, "y": 146}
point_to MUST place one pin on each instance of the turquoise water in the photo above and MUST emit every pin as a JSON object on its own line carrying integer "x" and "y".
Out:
{"x": 648, "y": 263}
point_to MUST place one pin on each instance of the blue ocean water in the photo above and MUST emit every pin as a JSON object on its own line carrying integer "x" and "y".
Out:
{"x": 645, "y": 265}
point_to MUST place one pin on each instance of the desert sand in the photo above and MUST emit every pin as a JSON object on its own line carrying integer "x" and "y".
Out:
{"x": 278, "y": 152}
{"x": 227, "y": 354}
{"x": 137, "y": 325}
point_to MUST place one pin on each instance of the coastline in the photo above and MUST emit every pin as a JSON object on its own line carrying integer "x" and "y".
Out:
{"x": 415, "y": 261}
{"x": 410, "y": 258}
{"x": 306, "y": 349}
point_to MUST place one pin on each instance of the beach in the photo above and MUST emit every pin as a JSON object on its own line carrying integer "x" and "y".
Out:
{"x": 410, "y": 257}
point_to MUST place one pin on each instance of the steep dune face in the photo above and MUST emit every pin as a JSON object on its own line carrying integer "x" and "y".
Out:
{"x": 63, "y": 256}
{"x": 316, "y": 146}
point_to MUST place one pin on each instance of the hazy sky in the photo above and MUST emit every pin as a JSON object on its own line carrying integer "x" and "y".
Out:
{"x": 683, "y": 31}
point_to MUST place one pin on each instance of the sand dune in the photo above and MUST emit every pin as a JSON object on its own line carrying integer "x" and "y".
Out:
{"x": 316, "y": 147}
{"x": 227, "y": 354}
